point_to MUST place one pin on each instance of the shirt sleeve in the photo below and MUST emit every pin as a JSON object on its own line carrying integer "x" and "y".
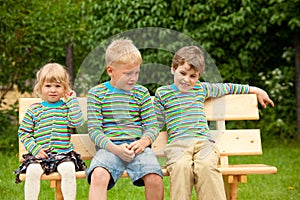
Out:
{"x": 221, "y": 89}
{"x": 150, "y": 128}
{"x": 159, "y": 110}
{"x": 26, "y": 132}
{"x": 95, "y": 119}
{"x": 75, "y": 116}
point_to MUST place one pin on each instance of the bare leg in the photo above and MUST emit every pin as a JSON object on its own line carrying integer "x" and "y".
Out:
{"x": 154, "y": 189}
{"x": 99, "y": 181}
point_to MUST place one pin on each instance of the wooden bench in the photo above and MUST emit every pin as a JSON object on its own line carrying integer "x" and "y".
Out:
{"x": 237, "y": 142}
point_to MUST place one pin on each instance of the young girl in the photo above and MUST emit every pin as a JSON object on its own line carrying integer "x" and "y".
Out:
{"x": 45, "y": 132}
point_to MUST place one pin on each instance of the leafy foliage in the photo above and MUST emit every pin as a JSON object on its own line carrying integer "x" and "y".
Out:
{"x": 250, "y": 41}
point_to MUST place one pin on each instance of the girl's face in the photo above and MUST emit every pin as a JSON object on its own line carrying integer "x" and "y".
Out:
{"x": 124, "y": 76}
{"x": 185, "y": 77}
{"x": 52, "y": 92}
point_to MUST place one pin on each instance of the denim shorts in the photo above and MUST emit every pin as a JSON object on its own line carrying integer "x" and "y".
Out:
{"x": 142, "y": 164}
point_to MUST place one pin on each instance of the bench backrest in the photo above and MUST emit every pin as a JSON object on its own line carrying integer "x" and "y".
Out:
{"x": 218, "y": 110}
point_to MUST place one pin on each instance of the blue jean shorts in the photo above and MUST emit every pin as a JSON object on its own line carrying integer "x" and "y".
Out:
{"x": 142, "y": 164}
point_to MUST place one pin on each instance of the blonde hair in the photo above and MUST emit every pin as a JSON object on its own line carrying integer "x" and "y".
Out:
{"x": 192, "y": 55}
{"x": 52, "y": 73}
{"x": 122, "y": 51}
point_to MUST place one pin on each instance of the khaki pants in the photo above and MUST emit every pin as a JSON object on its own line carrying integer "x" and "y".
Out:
{"x": 194, "y": 163}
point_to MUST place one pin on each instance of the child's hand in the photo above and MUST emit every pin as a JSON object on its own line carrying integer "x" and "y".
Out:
{"x": 262, "y": 96}
{"x": 124, "y": 153}
{"x": 42, "y": 153}
{"x": 69, "y": 94}
{"x": 140, "y": 145}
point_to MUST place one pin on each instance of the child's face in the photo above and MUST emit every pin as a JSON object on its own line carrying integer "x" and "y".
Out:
{"x": 124, "y": 76}
{"x": 52, "y": 92}
{"x": 185, "y": 77}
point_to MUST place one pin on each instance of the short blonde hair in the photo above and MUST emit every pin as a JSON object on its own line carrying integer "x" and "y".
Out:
{"x": 192, "y": 55}
{"x": 52, "y": 73}
{"x": 122, "y": 51}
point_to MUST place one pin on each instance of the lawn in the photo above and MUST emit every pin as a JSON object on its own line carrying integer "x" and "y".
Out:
{"x": 285, "y": 185}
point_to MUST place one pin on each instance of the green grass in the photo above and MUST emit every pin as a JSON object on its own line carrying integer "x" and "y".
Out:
{"x": 285, "y": 185}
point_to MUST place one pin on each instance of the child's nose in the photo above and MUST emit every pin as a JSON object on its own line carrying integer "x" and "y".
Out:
{"x": 53, "y": 89}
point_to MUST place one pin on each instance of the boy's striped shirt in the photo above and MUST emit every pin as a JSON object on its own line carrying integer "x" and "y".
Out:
{"x": 116, "y": 115}
{"x": 183, "y": 112}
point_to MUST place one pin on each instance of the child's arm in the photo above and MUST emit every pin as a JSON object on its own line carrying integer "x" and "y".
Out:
{"x": 75, "y": 115}
{"x": 97, "y": 135}
{"x": 262, "y": 96}
{"x": 150, "y": 126}
{"x": 26, "y": 131}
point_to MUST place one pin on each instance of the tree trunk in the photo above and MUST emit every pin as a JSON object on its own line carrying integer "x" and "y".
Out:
{"x": 70, "y": 62}
{"x": 297, "y": 77}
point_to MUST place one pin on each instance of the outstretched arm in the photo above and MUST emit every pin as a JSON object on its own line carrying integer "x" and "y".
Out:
{"x": 262, "y": 96}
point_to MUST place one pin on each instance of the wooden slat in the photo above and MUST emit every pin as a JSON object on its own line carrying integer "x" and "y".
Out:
{"x": 229, "y": 142}
{"x": 244, "y": 169}
{"x": 238, "y": 142}
{"x": 248, "y": 169}
{"x": 229, "y": 107}
{"x": 232, "y": 107}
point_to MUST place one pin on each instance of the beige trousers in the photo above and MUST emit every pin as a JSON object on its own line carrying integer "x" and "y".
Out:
{"x": 194, "y": 163}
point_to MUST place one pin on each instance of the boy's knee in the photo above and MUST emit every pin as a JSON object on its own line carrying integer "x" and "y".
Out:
{"x": 100, "y": 176}
{"x": 181, "y": 165}
{"x": 152, "y": 179}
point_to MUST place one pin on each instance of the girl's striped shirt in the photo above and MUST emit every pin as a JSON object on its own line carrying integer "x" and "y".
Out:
{"x": 183, "y": 113}
{"x": 47, "y": 125}
{"x": 118, "y": 115}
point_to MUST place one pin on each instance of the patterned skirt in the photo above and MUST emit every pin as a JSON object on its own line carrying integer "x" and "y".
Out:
{"x": 50, "y": 164}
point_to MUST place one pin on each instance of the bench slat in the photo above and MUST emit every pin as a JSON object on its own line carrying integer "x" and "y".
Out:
{"x": 232, "y": 107}
{"x": 238, "y": 107}
{"x": 238, "y": 142}
{"x": 229, "y": 142}
{"x": 244, "y": 169}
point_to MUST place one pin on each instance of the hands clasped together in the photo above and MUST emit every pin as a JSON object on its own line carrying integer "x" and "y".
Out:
{"x": 127, "y": 152}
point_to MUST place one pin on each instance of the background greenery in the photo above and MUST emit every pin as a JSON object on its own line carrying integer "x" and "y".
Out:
{"x": 251, "y": 42}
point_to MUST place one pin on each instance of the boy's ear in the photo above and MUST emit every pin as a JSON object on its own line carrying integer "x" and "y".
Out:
{"x": 172, "y": 70}
{"x": 109, "y": 70}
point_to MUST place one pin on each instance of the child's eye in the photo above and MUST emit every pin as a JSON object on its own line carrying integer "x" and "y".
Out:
{"x": 128, "y": 73}
{"x": 183, "y": 73}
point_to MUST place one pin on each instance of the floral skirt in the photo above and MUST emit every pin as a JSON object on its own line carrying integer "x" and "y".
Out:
{"x": 50, "y": 164}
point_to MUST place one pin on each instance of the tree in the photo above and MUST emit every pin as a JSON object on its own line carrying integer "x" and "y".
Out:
{"x": 250, "y": 41}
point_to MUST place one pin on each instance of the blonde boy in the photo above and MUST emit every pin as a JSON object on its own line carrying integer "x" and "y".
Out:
{"x": 122, "y": 124}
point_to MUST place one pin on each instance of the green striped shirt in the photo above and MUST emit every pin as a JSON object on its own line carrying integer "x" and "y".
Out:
{"x": 118, "y": 115}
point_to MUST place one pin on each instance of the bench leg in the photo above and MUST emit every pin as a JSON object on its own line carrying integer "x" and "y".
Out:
{"x": 57, "y": 185}
{"x": 231, "y": 185}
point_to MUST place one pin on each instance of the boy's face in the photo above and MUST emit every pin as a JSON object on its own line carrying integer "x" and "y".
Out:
{"x": 185, "y": 77}
{"x": 52, "y": 92}
{"x": 123, "y": 76}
